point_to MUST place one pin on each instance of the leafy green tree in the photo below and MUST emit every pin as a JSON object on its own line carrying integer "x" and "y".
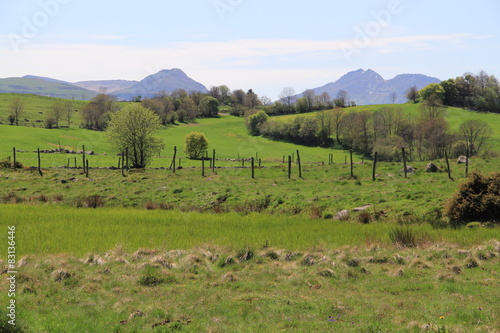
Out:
{"x": 432, "y": 89}
{"x": 16, "y": 110}
{"x": 255, "y": 121}
{"x": 195, "y": 145}
{"x": 209, "y": 106}
{"x": 134, "y": 127}
{"x": 412, "y": 94}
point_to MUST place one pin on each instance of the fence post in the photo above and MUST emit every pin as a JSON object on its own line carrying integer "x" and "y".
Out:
{"x": 14, "y": 155}
{"x": 203, "y": 167}
{"x": 87, "y": 169}
{"x": 466, "y": 162}
{"x": 374, "y": 165}
{"x": 173, "y": 160}
{"x": 253, "y": 168}
{"x": 448, "y": 165}
{"x": 300, "y": 166}
{"x": 123, "y": 164}
{"x": 83, "y": 158}
{"x": 289, "y": 166}
{"x": 213, "y": 162}
{"x": 404, "y": 162}
{"x": 39, "y": 163}
{"x": 352, "y": 164}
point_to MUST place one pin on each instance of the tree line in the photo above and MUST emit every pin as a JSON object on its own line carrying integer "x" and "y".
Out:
{"x": 426, "y": 136}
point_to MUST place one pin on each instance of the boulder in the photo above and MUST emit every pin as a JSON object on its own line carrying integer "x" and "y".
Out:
{"x": 342, "y": 215}
{"x": 462, "y": 159}
{"x": 360, "y": 209}
{"x": 431, "y": 167}
{"x": 409, "y": 169}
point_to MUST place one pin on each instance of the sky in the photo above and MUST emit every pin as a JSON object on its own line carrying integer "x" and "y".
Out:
{"x": 264, "y": 45}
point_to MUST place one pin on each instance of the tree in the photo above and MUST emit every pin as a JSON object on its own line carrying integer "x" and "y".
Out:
{"x": 195, "y": 145}
{"x": 251, "y": 99}
{"x": 325, "y": 128}
{"x": 16, "y": 109}
{"x": 432, "y": 89}
{"x": 342, "y": 99}
{"x": 338, "y": 115}
{"x": 324, "y": 101}
{"x": 134, "y": 127}
{"x": 287, "y": 97}
{"x": 431, "y": 108}
{"x": 209, "y": 107}
{"x": 412, "y": 94}
{"x": 96, "y": 114}
{"x": 475, "y": 133}
{"x": 255, "y": 121}
{"x": 310, "y": 97}
{"x": 394, "y": 97}
{"x": 68, "y": 111}
{"x": 266, "y": 101}
{"x": 57, "y": 112}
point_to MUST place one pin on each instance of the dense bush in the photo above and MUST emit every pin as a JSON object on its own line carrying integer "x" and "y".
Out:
{"x": 478, "y": 199}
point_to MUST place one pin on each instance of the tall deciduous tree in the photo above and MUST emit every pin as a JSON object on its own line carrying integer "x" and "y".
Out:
{"x": 287, "y": 96}
{"x": 16, "y": 109}
{"x": 412, "y": 94}
{"x": 134, "y": 127}
{"x": 475, "y": 133}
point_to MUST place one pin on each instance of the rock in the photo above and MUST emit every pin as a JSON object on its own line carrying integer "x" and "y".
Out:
{"x": 409, "y": 169}
{"x": 431, "y": 167}
{"x": 60, "y": 275}
{"x": 462, "y": 159}
{"x": 360, "y": 209}
{"x": 342, "y": 215}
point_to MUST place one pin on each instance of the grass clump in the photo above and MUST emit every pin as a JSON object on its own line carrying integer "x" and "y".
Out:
{"x": 403, "y": 236}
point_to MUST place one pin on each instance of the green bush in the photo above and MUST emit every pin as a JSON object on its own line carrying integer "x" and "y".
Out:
{"x": 477, "y": 200}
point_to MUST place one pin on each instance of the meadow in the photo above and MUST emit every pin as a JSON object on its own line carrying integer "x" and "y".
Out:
{"x": 177, "y": 252}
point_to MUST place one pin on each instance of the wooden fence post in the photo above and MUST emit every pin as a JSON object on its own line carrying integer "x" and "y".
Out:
{"x": 123, "y": 164}
{"x": 83, "y": 158}
{"x": 87, "y": 169}
{"x": 75, "y": 162}
{"x": 352, "y": 164}
{"x": 300, "y": 166}
{"x": 253, "y": 168}
{"x": 14, "y": 155}
{"x": 173, "y": 160}
{"x": 448, "y": 165}
{"x": 213, "y": 162}
{"x": 404, "y": 162}
{"x": 39, "y": 163}
{"x": 466, "y": 162}
{"x": 374, "y": 165}
{"x": 203, "y": 167}
{"x": 289, "y": 166}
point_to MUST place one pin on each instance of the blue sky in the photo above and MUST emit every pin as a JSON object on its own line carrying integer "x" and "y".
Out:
{"x": 248, "y": 44}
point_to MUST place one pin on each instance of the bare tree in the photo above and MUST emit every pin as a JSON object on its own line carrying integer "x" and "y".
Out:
{"x": 412, "y": 94}
{"x": 431, "y": 108}
{"x": 309, "y": 96}
{"x": 68, "y": 111}
{"x": 324, "y": 101}
{"x": 475, "y": 133}
{"x": 342, "y": 99}
{"x": 57, "y": 112}
{"x": 394, "y": 96}
{"x": 338, "y": 115}
{"x": 266, "y": 100}
{"x": 16, "y": 109}
{"x": 287, "y": 96}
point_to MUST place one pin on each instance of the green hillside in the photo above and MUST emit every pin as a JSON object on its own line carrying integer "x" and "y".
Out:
{"x": 30, "y": 85}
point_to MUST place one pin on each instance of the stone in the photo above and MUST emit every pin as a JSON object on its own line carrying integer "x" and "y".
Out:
{"x": 431, "y": 167}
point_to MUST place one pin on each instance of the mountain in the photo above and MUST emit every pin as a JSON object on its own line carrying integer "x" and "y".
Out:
{"x": 165, "y": 80}
{"x": 44, "y": 87}
{"x": 110, "y": 85}
{"x": 369, "y": 87}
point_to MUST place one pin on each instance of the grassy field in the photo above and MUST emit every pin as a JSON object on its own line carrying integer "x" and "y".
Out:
{"x": 165, "y": 252}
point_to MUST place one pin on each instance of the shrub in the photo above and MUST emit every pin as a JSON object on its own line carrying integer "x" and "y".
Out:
{"x": 245, "y": 254}
{"x": 195, "y": 145}
{"x": 477, "y": 199}
{"x": 10, "y": 165}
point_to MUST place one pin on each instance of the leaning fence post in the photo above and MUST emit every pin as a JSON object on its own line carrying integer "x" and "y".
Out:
{"x": 253, "y": 168}
{"x": 14, "y": 155}
{"x": 448, "y": 165}
{"x": 173, "y": 160}
{"x": 352, "y": 164}
{"x": 289, "y": 166}
{"x": 203, "y": 166}
{"x": 83, "y": 158}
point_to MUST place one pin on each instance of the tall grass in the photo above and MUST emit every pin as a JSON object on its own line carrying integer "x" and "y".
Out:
{"x": 44, "y": 230}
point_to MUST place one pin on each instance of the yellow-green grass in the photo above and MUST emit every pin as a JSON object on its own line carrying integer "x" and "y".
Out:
{"x": 373, "y": 287}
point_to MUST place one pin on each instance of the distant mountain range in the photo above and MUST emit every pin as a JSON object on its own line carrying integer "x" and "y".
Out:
{"x": 368, "y": 87}
{"x": 364, "y": 87}
{"x": 163, "y": 81}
